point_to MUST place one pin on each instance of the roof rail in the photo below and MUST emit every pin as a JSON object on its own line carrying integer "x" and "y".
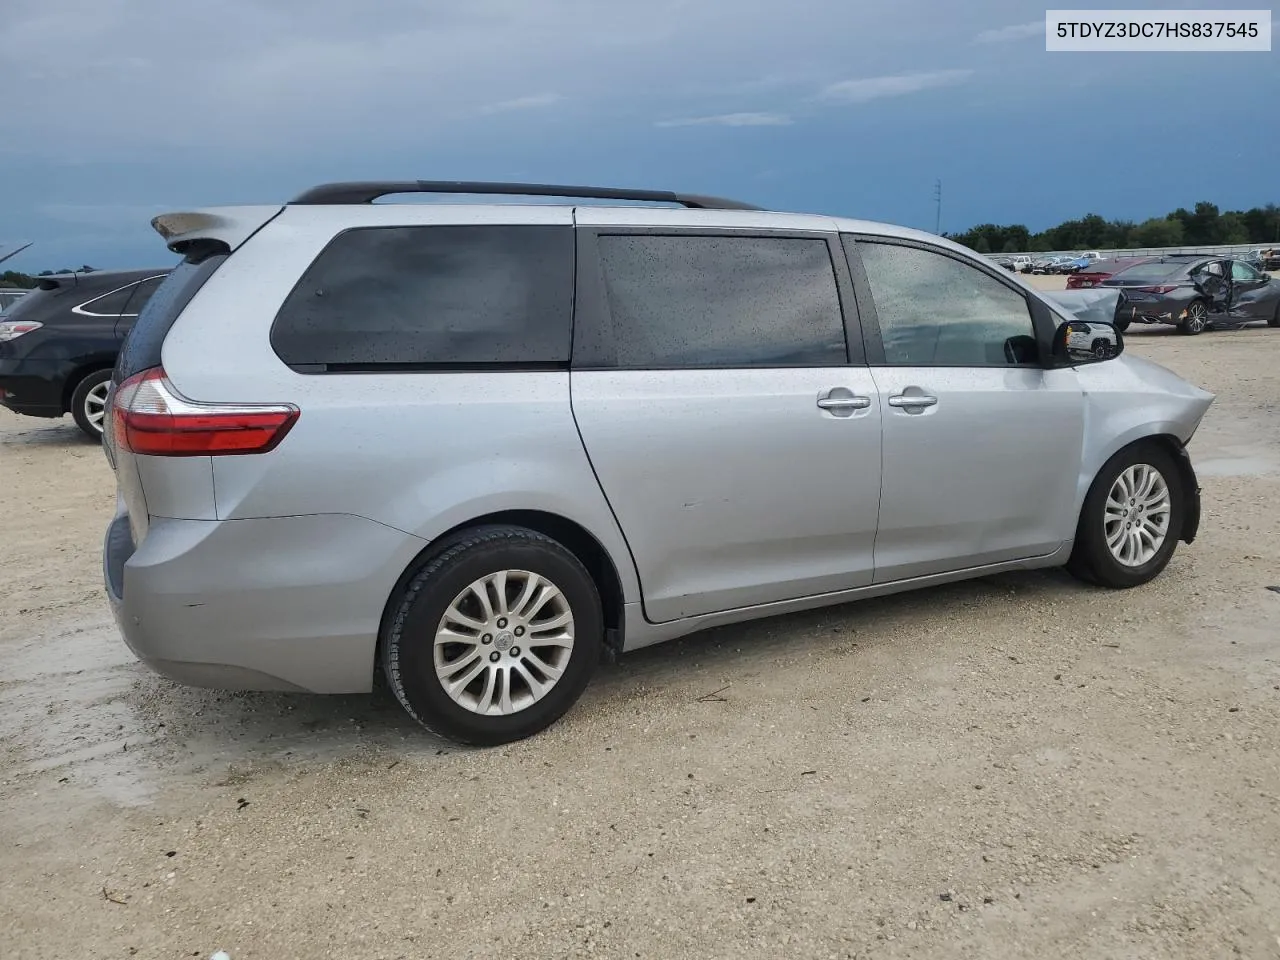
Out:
{"x": 366, "y": 191}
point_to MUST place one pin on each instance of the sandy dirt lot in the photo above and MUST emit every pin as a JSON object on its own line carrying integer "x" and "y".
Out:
{"x": 1014, "y": 767}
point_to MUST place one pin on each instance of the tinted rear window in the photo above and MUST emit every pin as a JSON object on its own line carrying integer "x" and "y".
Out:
{"x": 1144, "y": 272}
{"x": 432, "y": 296}
{"x": 140, "y": 294}
{"x": 699, "y": 301}
{"x": 108, "y": 304}
{"x": 141, "y": 349}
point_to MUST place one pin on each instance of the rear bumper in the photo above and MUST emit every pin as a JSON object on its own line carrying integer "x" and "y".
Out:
{"x": 287, "y": 603}
{"x": 30, "y": 392}
{"x": 1154, "y": 312}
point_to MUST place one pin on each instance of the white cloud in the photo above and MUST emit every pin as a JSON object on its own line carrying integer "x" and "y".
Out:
{"x": 730, "y": 120}
{"x": 875, "y": 88}
{"x": 534, "y": 102}
{"x": 1019, "y": 31}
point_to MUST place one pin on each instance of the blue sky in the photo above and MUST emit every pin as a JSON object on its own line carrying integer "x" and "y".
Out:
{"x": 116, "y": 110}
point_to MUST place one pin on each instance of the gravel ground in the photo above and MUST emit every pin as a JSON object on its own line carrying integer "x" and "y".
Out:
{"x": 1017, "y": 766}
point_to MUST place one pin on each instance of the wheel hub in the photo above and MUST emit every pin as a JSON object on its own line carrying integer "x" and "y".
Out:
{"x": 504, "y": 642}
{"x": 1136, "y": 517}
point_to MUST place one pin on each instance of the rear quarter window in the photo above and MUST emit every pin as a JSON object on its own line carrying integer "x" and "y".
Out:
{"x": 426, "y": 297}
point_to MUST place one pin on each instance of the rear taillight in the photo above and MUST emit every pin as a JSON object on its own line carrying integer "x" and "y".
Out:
{"x": 1166, "y": 288}
{"x": 150, "y": 417}
{"x": 13, "y": 329}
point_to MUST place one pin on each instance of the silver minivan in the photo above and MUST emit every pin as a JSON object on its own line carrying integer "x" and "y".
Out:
{"x": 477, "y": 445}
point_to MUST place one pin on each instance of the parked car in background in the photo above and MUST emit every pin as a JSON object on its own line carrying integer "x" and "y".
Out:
{"x": 1270, "y": 258}
{"x": 1005, "y": 262}
{"x": 1099, "y": 270}
{"x": 1254, "y": 259}
{"x": 1022, "y": 263}
{"x": 1195, "y": 293}
{"x": 1043, "y": 264}
{"x": 59, "y": 342}
{"x": 9, "y": 296}
{"x": 478, "y": 444}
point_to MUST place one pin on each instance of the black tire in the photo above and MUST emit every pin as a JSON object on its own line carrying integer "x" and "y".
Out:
{"x": 1091, "y": 558}
{"x": 1122, "y": 325}
{"x": 408, "y": 643}
{"x": 1197, "y": 319}
{"x": 89, "y": 390}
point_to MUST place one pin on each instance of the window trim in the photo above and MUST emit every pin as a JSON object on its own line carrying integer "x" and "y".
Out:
{"x": 1040, "y": 314}
{"x": 593, "y": 337}
{"x": 79, "y": 308}
{"x": 431, "y": 366}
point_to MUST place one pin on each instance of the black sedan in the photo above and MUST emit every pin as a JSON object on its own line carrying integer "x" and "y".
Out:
{"x": 1195, "y": 293}
{"x": 59, "y": 342}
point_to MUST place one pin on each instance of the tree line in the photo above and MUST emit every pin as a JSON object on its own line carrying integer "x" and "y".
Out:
{"x": 26, "y": 281}
{"x": 1203, "y": 226}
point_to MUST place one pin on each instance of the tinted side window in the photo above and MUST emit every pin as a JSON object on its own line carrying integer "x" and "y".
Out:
{"x": 698, "y": 301}
{"x": 430, "y": 296}
{"x": 141, "y": 348}
{"x": 935, "y": 310}
{"x": 142, "y": 292}
{"x": 109, "y": 304}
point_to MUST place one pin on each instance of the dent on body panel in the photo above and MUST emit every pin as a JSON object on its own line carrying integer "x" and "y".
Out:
{"x": 1130, "y": 398}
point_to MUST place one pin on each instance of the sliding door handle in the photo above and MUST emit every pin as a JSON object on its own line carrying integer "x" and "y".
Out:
{"x": 844, "y": 403}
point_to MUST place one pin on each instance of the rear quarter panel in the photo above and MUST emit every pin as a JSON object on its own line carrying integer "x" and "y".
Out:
{"x": 418, "y": 452}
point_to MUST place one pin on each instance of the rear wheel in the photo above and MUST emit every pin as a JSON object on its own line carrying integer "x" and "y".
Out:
{"x": 1131, "y": 519}
{"x": 89, "y": 403}
{"x": 1196, "y": 320}
{"x": 495, "y": 638}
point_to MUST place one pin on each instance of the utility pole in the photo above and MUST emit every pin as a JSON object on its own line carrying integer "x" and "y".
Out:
{"x": 937, "y": 197}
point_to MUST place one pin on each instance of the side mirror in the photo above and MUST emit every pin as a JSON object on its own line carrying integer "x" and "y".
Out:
{"x": 1077, "y": 342}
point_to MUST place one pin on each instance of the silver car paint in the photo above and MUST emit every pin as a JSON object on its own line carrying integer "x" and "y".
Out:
{"x": 941, "y": 509}
{"x": 683, "y": 458}
{"x": 279, "y": 567}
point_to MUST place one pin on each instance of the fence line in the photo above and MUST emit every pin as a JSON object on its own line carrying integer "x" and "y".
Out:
{"x": 1229, "y": 249}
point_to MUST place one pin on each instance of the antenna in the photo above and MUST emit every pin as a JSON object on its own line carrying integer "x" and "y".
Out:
{"x": 937, "y": 198}
{"x": 6, "y": 256}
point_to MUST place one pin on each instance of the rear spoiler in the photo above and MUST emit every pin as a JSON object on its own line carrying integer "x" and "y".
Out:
{"x": 219, "y": 229}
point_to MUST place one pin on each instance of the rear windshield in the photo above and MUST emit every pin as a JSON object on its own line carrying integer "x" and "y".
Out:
{"x": 1144, "y": 272}
{"x": 141, "y": 350}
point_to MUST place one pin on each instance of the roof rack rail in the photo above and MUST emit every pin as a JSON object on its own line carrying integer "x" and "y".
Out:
{"x": 366, "y": 191}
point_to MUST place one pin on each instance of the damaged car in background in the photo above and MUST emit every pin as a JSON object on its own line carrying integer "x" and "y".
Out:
{"x": 1195, "y": 293}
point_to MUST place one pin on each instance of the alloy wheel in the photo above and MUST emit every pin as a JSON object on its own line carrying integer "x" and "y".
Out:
{"x": 1136, "y": 517}
{"x": 504, "y": 642}
{"x": 95, "y": 404}
{"x": 1196, "y": 317}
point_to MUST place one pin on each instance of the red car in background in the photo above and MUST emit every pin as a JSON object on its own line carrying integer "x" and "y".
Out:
{"x": 1099, "y": 270}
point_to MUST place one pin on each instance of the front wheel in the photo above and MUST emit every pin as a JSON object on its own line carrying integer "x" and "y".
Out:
{"x": 89, "y": 403}
{"x": 495, "y": 638}
{"x": 1131, "y": 519}
{"x": 1196, "y": 320}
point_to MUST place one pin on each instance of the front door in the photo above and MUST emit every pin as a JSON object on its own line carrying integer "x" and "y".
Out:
{"x": 737, "y": 445}
{"x": 982, "y": 445}
{"x": 1253, "y": 294}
